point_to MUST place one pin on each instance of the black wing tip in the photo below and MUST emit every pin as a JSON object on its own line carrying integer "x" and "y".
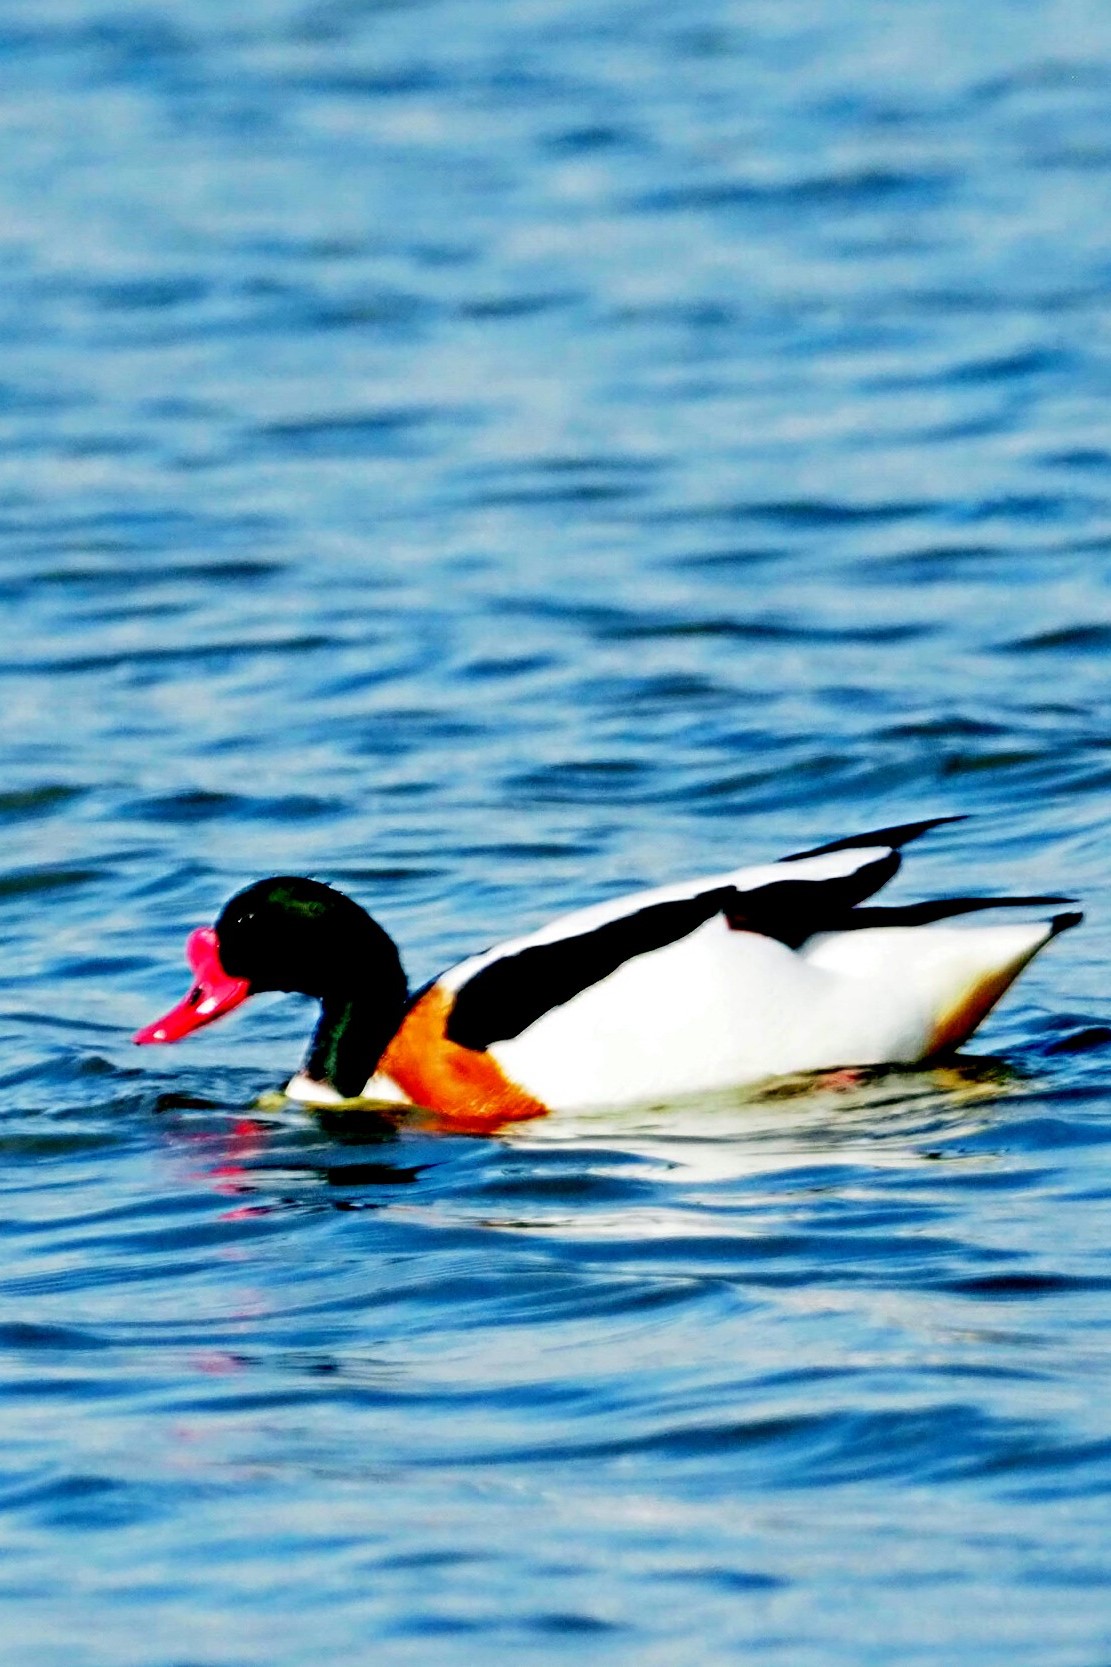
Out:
{"x": 1062, "y": 923}
{"x": 1037, "y": 901}
{"x": 931, "y": 910}
{"x": 902, "y": 833}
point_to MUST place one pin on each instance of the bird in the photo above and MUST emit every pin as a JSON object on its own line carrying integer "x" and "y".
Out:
{"x": 710, "y": 984}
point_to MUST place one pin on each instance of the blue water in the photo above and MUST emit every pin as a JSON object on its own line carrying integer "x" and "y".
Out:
{"x": 492, "y": 456}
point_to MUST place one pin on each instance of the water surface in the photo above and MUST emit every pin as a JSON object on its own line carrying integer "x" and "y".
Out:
{"x": 492, "y": 457}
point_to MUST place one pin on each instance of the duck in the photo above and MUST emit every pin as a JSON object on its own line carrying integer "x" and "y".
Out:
{"x": 710, "y": 984}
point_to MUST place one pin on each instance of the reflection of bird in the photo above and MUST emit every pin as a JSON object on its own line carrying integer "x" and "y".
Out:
{"x": 702, "y": 985}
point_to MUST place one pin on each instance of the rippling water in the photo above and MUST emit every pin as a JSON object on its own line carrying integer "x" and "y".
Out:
{"x": 492, "y": 456}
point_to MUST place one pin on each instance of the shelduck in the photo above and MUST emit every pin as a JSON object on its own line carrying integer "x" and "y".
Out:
{"x": 713, "y": 983}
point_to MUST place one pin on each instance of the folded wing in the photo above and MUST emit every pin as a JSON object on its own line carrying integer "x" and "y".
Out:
{"x": 499, "y": 995}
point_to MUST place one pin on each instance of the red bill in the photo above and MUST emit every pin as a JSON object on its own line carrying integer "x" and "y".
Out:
{"x": 214, "y": 992}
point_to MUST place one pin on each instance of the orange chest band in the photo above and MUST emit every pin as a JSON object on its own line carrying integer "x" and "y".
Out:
{"x": 465, "y": 1086}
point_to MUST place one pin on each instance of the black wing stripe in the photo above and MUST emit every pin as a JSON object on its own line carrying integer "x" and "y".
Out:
{"x": 505, "y": 997}
{"x": 794, "y": 910}
{"x": 900, "y": 835}
{"x": 939, "y": 908}
{"x": 510, "y": 994}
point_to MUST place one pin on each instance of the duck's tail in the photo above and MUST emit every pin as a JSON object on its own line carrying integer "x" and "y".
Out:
{"x": 984, "y": 963}
{"x": 939, "y": 981}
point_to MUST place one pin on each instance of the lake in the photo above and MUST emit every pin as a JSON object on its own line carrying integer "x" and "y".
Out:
{"x": 493, "y": 457}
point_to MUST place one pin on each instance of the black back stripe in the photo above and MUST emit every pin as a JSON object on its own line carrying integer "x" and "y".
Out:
{"x": 506, "y": 996}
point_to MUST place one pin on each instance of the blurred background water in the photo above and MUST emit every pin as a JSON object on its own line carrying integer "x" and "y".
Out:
{"x": 492, "y": 456}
